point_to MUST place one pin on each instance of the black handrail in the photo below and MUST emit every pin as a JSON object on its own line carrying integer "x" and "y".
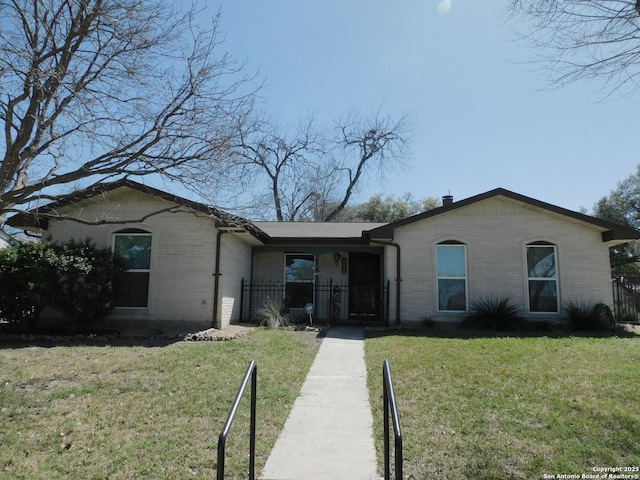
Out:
{"x": 252, "y": 373}
{"x": 389, "y": 399}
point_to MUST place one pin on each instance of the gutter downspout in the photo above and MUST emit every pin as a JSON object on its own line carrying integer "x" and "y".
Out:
{"x": 398, "y": 270}
{"x": 216, "y": 280}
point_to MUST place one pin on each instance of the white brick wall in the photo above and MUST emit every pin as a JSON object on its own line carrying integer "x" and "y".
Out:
{"x": 268, "y": 267}
{"x": 183, "y": 248}
{"x": 496, "y": 232}
{"x": 235, "y": 264}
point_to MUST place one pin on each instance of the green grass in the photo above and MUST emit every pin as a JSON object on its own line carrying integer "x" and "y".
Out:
{"x": 89, "y": 412}
{"x": 510, "y": 408}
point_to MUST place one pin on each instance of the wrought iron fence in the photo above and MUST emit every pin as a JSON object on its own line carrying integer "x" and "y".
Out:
{"x": 330, "y": 301}
{"x": 626, "y": 297}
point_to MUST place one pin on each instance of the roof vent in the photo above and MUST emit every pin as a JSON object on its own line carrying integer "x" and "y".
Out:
{"x": 447, "y": 200}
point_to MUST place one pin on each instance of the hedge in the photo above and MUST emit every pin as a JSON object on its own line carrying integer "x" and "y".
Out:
{"x": 76, "y": 278}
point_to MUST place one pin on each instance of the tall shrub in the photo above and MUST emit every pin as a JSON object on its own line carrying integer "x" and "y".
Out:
{"x": 24, "y": 273}
{"x": 84, "y": 286}
{"x": 77, "y": 278}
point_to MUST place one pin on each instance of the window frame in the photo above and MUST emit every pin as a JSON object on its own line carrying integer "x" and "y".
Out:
{"x": 311, "y": 281}
{"x": 555, "y": 279}
{"x": 465, "y": 278}
{"x": 136, "y": 233}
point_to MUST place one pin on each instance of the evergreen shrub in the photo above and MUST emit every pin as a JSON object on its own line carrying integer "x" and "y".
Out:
{"x": 76, "y": 278}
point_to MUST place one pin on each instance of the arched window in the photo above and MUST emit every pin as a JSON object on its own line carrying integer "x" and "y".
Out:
{"x": 452, "y": 276}
{"x": 134, "y": 247}
{"x": 542, "y": 277}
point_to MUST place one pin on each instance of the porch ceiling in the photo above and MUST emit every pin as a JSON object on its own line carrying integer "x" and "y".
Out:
{"x": 315, "y": 232}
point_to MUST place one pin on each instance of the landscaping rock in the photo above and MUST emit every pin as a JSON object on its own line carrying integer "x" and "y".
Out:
{"x": 230, "y": 332}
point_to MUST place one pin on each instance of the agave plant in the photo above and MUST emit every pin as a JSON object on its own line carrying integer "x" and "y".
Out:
{"x": 589, "y": 316}
{"x": 272, "y": 315}
{"x": 495, "y": 313}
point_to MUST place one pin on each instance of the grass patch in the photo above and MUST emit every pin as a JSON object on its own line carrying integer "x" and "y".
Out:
{"x": 509, "y": 408}
{"x": 123, "y": 412}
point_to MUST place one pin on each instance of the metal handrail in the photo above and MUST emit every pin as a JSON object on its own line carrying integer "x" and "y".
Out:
{"x": 252, "y": 373}
{"x": 389, "y": 399}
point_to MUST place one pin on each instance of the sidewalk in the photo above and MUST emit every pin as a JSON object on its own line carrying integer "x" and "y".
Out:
{"x": 329, "y": 432}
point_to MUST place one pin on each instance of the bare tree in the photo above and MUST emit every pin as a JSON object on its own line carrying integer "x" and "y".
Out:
{"x": 378, "y": 143}
{"x": 310, "y": 174}
{"x": 93, "y": 90}
{"x": 267, "y": 157}
{"x": 584, "y": 39}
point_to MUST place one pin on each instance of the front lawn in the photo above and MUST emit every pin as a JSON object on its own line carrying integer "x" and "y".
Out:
{"x": 121, "y": 412}
{"x": 510, "y": 408}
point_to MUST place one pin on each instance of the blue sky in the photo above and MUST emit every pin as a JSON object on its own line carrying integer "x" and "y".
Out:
{"x": 483, "y": 117}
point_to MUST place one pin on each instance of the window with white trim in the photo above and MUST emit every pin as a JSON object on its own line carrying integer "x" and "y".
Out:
{"x": 134, "y": 247}
{"x": 542, "y": 277}
{"x": 299, "y": 273}
{"x": 452, "y": 276}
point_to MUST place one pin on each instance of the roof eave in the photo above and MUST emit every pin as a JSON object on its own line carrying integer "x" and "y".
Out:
{"x": 619, "y": 236}
{"x": 323, "y": 241}
{"x": 24, "y": 221}
{"x": 38, "y": 218}
{"x": 613, "y": 233}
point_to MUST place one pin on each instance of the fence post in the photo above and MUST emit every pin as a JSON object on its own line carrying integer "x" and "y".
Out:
{"x": 242, "y": 299}
{"x": 386, "y": 308}
{"x": 330, "y": 300}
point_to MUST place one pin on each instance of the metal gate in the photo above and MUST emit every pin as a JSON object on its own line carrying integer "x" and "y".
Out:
{"x": 626, "y": 297}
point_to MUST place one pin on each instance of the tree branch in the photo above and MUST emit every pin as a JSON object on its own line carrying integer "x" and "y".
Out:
{"x": 96, "y": 89}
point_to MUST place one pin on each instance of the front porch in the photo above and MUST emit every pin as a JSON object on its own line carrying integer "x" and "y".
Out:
{"x": 335, "y": 303}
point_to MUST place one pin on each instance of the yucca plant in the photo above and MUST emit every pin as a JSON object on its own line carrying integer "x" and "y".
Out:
{"x": 495, "y": 313}
{"x": 272, "y": 315}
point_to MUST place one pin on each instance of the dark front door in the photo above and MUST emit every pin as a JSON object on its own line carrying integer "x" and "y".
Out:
{"x": 364, "y": 286}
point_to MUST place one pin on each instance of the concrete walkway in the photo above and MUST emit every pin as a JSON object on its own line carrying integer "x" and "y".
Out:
{"x": 329, "y": 432}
